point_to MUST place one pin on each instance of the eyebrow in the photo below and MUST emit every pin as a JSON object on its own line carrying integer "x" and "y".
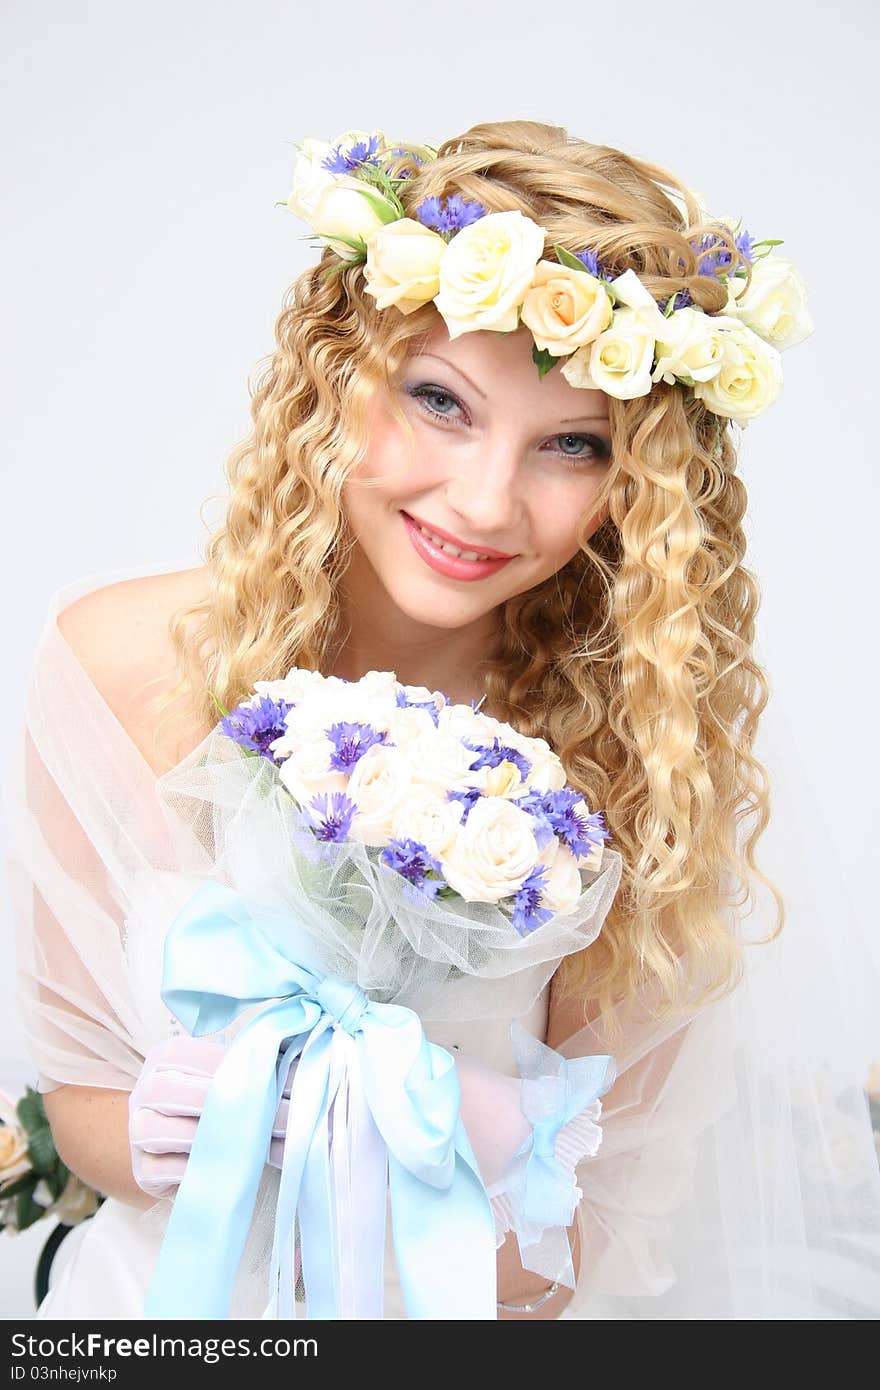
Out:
{"x": 571, "y": 420}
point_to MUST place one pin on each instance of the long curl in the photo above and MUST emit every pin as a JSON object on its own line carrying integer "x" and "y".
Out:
{"x": 635, "y": 661}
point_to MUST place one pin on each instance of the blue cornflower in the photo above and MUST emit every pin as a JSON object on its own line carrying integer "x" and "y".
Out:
{"x": 363, "y": 152}
{"x": 527, "y": 910}
{"x": 558, "y": 812}
{"x": 412, "y": 860}
{"x": 458, "y": 212}
{"x": 255, "y": 726}
{"x": 335, "y": 812}
{"x": 468, "y": 798}
{"x": 498, "y": 753}
{"x": 351, "y": 742}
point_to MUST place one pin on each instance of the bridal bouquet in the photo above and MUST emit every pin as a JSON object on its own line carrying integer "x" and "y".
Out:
{"x": 381, "y": 857}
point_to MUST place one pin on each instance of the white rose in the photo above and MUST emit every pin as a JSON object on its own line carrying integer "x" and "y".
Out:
{"x": 692, "y": 347}
{"x": 421, "y": 695}
{"x": 403, "y": 264}
{"x": 380, "y": 781}
{"x": 292, "y": 687}
{"x": 546, "y": 773}
{"x": 440, "y": 762}
{"x": 775, "y": 304}
{"x": 563, "y": 886}
{"x": 461, "y": 722}
{"x": 352, "y": 209}
{"x": 749, "y": 380}
{"x": 306, "y": 771}
{"x": 76, "y": 1202}
{"x": 407, "y": 725}
{"x": 429, "y": 820}
{"x": 494, "y": 851}
{"x": 309, "y": 178}
{"x": 565, "y": 308}
{"x": 486, "y": 271}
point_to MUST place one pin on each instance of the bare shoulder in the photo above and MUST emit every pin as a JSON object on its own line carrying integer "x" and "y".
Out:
{"x": 119, "y": 634}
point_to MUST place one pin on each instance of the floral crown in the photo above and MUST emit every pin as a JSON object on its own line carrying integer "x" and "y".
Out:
{"x": 487, "y": 270}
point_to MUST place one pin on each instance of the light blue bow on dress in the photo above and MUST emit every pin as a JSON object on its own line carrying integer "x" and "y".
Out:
{"x": 554, "y": 1090}
{"x": 400, "y": 1099}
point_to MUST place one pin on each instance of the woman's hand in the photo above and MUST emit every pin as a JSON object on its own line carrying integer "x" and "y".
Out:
{"x": 165, "y": 1107}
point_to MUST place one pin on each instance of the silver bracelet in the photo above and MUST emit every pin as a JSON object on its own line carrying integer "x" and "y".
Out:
{"x": 530, "y": 1307}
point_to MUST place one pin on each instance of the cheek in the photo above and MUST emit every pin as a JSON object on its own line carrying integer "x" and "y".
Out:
{"x": 563, "y": 523}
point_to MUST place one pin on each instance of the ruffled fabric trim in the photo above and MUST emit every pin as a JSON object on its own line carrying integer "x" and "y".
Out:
{"x": 577, "y": 1140}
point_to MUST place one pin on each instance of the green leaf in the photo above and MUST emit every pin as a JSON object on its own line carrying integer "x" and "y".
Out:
{"x": 379, "y": 204}
{"x": 359, "y": 245}
{"x": 544, "y": 360}
{"x": 221, "y": 707}
{"x": 26, "y": 1183}
{"x": 566, "y": 258}
{"x": 42, "y": 1152}
{"x": 57, "y": 1180}
{"x": 30, "y": 1110}
{"x": 27, "y": 1211}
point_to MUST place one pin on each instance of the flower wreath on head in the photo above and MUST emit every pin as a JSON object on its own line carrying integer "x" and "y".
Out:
{"x": 487, "y": 270}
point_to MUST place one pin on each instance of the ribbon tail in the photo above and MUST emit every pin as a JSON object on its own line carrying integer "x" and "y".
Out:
{"x": 318, "y": 1222}
{"x": 195, "y": 1273}
{"x": 444, "y": 1240}
{"x": 362, "y": 1207}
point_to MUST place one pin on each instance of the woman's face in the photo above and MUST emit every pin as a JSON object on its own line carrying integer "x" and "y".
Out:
{"x": 505, "y": 466}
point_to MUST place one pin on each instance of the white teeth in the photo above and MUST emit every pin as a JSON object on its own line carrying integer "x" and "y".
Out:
{"x": 450, "y": 548}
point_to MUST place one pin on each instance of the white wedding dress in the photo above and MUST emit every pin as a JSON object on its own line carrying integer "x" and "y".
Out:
{"x": 737, "y": 1176}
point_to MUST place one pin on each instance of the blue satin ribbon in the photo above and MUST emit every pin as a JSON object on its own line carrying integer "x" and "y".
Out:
{"x": 219, "y": 960}
{"x": 554, "y": 1089}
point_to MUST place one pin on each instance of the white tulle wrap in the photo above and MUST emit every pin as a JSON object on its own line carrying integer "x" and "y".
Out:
{"x": 737, "y": 1175}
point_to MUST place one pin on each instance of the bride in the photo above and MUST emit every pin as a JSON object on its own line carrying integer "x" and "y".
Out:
{"x": 450, "y": 479}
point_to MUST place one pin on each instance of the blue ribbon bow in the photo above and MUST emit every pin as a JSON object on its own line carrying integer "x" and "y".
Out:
{"x": 219, "y": 960}
{"x": 554, "y": 1089}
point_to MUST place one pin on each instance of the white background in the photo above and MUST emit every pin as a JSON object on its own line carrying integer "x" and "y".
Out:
{"x": 145, "y": 147}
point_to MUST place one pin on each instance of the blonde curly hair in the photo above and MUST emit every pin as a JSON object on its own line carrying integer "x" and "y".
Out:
{"x": 635, "y": 661}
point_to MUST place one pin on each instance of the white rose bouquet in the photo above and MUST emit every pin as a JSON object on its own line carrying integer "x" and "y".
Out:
{"x": 379, "y": 858}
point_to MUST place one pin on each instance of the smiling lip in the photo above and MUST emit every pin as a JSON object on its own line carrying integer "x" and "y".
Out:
{"x": 451, "y": 566}
{"x": 460, "y": 545}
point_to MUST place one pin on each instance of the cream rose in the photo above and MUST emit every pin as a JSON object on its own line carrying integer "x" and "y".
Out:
{"x": 563, "y": 887}
{"x": 565, "y": 308}
{"x": 486, "y": 271}
{"x": 494, "y": 851}
{"x": 692, "y": 347}
{"x": 440, "y": 762}
{"x": 460, "y": 721}
{"x": 309, "y": 178}
{"x": 775, "y": 304}
{"x": 306, "y": 771}
{"x": 429, "y": 820}
{"x": 353, "y": 209}
{"x": 504, "y": 780}
{"x": 403, "y": 265}
{"x": 378, "y": 784}
{"x": 749, "y": 380}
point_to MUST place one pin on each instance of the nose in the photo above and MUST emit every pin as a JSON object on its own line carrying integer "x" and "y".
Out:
{"x": 486, "y": 492}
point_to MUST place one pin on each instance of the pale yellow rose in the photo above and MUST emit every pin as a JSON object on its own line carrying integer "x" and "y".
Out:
{"x": 486, "y": 271}
{"x": 692, "y": 347}
{"x": 619, "y": 361}
{"x": 775, "y": 304}
{"x": 503, "y": 780}
{"x": 403, "y": 264}
{"x": 351, "y": 208}
{"x": 750, "y": 378}
{"x": 565, "y": 308}
{"x": 14, "y": 1161}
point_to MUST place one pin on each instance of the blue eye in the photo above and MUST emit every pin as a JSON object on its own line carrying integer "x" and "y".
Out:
{"x": 597, "y": 447}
